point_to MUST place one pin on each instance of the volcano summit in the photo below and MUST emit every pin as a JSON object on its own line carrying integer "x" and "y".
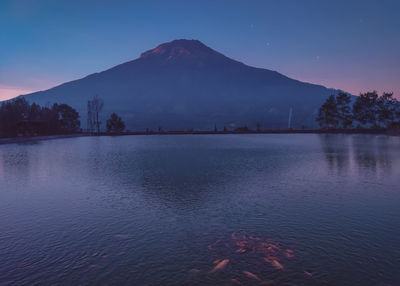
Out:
{"x": 185, "y": 84}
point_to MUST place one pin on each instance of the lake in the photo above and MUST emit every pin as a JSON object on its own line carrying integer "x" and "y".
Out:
{"x": 290, "y": 209}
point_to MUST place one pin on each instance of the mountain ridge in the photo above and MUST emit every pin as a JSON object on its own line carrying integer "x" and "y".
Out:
{"x": 186, "y": 84}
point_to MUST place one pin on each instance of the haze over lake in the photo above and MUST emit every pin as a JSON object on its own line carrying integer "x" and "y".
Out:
{"x": 159, "y": 210}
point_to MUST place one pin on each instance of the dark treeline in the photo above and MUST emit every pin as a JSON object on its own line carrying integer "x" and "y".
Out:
{"x": 20, "y": 118}
{"x": 367, "y": 111}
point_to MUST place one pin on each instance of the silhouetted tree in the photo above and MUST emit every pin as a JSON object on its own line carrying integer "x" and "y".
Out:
{"x": 35, "y": 112}
{"x": 95, "y": 106}
{"x": 115, "y": 124}
{"x": 388, "y": 107}
{"x": 90, "y": 117}
{"x": 344, "y": 114}
{"x": 328, "y": 113}
{"x": 258, "y": 127}
{"x": 215, "y": 128}
{"x": 67, "y": 117}
{"x": 225, "y": 129}
{"x": 369, "y": 110}
{"x": 18, "y": 117}
{"x": 365, "y": 109}
{"x": 12, "y": 112}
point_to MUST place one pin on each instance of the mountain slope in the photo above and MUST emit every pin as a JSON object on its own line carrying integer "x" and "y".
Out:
{"x": 185, "y": 84}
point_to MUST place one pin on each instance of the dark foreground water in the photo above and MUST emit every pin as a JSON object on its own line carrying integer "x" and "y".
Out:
{"x": 166, "y": 210}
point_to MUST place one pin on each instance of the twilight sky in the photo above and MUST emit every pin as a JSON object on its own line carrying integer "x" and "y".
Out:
{"x": 346, "y": 44}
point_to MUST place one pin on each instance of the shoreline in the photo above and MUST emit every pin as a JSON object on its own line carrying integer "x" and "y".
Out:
{"x": 16, "y": 140}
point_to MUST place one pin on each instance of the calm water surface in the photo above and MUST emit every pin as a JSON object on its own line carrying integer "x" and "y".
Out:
{"x": 159, "y": 210}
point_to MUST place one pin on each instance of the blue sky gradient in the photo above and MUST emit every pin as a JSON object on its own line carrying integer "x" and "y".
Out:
{"x": 349, "y": 45}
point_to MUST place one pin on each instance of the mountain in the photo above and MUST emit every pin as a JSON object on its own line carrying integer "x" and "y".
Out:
{"x": 185, "y": 84}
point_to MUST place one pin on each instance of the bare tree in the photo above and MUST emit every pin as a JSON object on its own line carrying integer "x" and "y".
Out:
{"x": 90, "y": 121}
{"x": 95, "y": 106}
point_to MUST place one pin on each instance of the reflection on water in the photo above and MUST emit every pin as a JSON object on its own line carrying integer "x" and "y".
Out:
{"x": 337, "y": 152}
{"x": 373, "y": 155}
{"x": 167, "y": 210}
{"x": 363, "y": 153}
